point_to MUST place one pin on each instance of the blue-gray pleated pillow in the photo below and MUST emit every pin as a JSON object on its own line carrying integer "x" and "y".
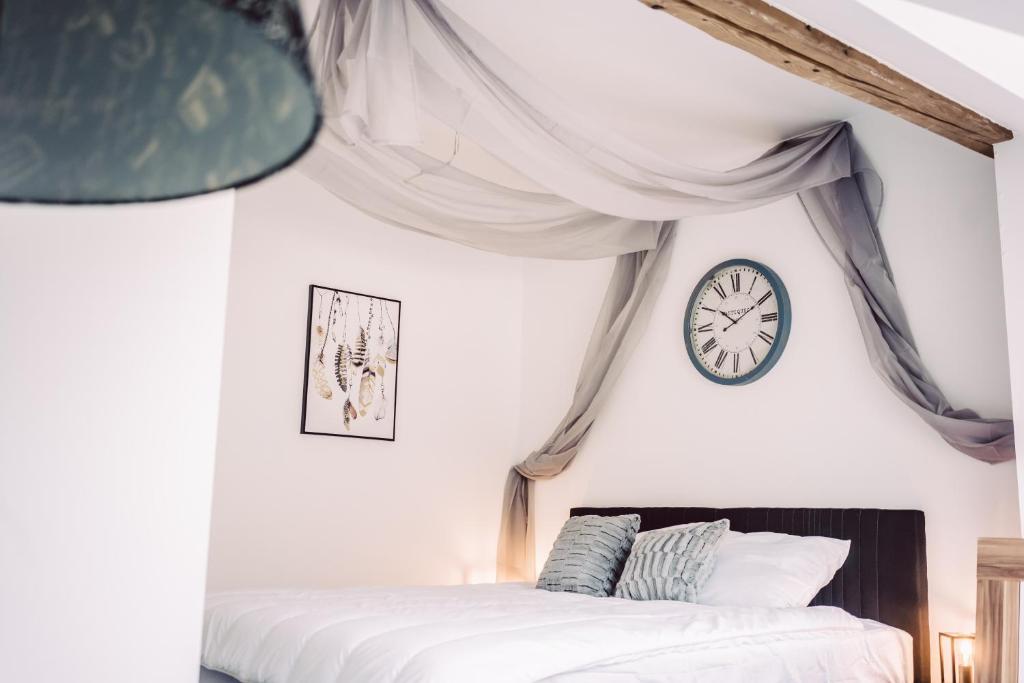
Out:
{"x": 588, "y": 554}
{"x": 671, "y": 564}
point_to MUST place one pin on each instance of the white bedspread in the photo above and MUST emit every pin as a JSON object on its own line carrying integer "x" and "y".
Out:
{"x": 513, "y": 632}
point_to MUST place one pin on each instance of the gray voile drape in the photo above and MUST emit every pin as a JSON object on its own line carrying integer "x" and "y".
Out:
{"x": 634, "y": 286}
{"x": 845, "y": 215}
{"x": 605, "y": 195}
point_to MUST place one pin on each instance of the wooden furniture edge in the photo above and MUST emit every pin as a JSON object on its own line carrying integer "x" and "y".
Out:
{"x": 997, "y": 644}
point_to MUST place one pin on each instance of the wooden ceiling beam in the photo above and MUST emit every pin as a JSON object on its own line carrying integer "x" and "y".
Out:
{"x": 780, "y": 39}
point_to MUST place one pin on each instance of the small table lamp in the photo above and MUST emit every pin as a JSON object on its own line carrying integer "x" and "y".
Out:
{"x": 956, "y": 657}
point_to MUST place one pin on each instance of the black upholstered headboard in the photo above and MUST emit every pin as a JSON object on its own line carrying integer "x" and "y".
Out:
{"x": 885, "y": 577}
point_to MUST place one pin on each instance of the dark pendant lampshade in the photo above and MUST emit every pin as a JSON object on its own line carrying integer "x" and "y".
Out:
{"x": 105, "y": 101}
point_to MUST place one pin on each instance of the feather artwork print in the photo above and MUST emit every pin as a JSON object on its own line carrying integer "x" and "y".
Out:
{"x": 351, "y": 381}
{"x": 392, "y": 353}
{"x": 366, "y": 389}
{"x": 348, "y": 414}
{"x": 379, "y": 367}
{"x": 341, "y": 358}
{"x": 359, "y": 354}
{"x": 319, "y": 372}
{"x": 320, "y": 379}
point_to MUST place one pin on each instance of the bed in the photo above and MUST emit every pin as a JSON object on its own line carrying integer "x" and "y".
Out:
{"x": 869, "y": 624}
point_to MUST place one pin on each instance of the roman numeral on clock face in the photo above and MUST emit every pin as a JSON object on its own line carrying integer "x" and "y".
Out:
{"x": 721, "y": 358}
{"x": 735, "y": 363}
{"x": 719, "y": 290}
{"x": 769, "y": 317}
{"x": 765, "y": 337}
{"x": 706, "y": 327}
{"x": 735, "y": 277}
{"x": 708, "y": 345}
{"x": 767, "y": 295}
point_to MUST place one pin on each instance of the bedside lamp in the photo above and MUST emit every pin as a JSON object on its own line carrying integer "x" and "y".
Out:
{"x": 956, "y": 657}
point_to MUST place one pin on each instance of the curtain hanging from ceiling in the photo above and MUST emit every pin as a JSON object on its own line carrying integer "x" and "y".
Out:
{"x": 386, "y": 65}
{"x": 845, "y": 214}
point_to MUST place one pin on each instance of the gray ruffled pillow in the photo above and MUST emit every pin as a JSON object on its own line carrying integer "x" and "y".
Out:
{"x": 588, "y": 554}
{"x": 671, "y": 564}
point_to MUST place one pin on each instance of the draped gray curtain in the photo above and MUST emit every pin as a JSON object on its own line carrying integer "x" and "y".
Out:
{"x": 845, "y": 215}
{"x": 635, "y": 283}
{"x": 385, "y": 64}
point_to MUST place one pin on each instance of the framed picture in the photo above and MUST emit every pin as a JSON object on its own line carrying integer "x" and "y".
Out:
{"x": 351, "y": 381}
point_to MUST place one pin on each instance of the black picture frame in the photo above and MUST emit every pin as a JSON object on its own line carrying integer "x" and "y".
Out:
{"x": 306, "y": 360}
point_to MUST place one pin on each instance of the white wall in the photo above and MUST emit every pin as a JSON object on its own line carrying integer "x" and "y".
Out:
{"x": 820, "y": 429}
{"x": 1009, "y": 181}
{"x": 304, "y": 510}
{"x": 1010, "y": 191}
{"x": 111, "y": 330}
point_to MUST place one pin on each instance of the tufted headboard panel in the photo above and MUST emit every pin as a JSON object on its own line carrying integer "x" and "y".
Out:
{"x": 885, "y": 577}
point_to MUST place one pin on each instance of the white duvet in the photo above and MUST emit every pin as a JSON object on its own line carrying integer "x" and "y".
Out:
{"x": 513, "y": 632}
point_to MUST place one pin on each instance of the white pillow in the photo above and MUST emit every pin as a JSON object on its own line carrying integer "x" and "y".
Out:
{"x": 772, "y": 570}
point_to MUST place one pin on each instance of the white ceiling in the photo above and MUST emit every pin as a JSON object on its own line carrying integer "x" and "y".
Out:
{"x": 940, "y": 43}
{"x": 656, "y": 79}
{"x": 1006, "y": 15}
{"x": 988, "y": 37}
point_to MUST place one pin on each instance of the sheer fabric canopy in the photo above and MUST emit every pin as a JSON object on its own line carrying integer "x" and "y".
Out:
{"x": 384, "y": 64}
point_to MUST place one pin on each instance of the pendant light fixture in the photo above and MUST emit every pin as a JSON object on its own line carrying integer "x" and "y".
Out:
{"x": 110, "y": 101}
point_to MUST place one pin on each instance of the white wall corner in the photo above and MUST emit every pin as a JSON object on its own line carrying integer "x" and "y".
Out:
{"x": 1009, "y": 165}
{"x": 111, "y": 344}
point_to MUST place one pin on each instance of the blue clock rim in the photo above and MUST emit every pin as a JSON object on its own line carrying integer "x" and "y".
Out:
{"x": 785, "y": 320}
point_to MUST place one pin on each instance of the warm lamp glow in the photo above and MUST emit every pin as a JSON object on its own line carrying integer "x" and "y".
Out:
{"x": 476, "y": 574}
{"x": 965, "y": 652}
{"x": 956, "y": 657}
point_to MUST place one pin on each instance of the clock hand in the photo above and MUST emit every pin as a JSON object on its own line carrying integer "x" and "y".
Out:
{"x": 739, "y": 318}
{"x": 730, "y": 319}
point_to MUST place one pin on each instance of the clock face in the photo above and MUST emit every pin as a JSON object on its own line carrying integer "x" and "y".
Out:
{"x": 738, "y": 322}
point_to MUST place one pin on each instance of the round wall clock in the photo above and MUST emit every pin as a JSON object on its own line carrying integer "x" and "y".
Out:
{"x": 737, "y": 322}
